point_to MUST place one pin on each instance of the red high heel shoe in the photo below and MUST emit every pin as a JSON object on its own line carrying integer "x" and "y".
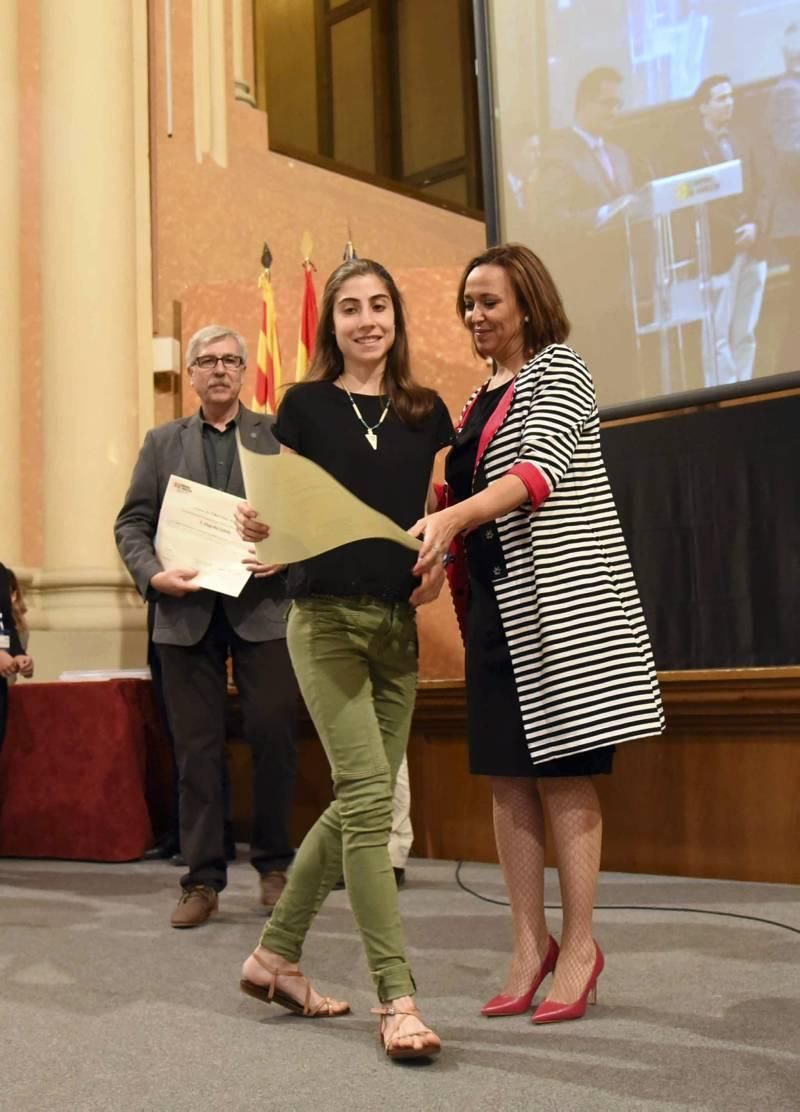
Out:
{"x": 516, "y": 1005}
{"x": 551, "y": 1011}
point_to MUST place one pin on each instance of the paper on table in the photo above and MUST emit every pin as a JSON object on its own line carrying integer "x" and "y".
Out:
{"x": 196, "y": 529}
{"x": 308, "y": 511}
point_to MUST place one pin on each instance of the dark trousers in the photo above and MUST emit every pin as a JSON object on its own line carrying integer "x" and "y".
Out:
{"x": 195, "y": 690}
{"x": 166, "y": 833}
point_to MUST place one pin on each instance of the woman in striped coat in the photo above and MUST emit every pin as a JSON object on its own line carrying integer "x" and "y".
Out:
{"x": 558, "y": 662}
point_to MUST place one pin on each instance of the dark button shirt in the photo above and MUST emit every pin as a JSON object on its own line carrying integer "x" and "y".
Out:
{"x": 461, "y": 475}
{"x": 219, "y": 449}
{"x": 484, "y": 552}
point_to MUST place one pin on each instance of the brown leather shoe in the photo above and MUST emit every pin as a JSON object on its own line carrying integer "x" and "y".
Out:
{"x": 272, "y": 886}
{"x": 195, "y": 906}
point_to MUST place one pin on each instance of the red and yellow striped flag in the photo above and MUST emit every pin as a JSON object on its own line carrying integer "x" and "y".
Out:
{"x": 308, "y": 322}
{"x": 269, "y": 374}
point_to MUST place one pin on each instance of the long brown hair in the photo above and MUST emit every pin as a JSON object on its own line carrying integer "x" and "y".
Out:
{"x": 411, "y": 401}
{"x": 545, "y": 319}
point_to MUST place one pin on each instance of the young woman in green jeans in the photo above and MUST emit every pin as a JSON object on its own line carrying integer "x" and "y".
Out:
{"x": 352, "y": 637}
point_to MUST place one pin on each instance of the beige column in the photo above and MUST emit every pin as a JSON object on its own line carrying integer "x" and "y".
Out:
{"x": 91, "y": 329}
{"x": 10, "y": 300}
{"x": 240, "y": 36}
{"x": 209, "y": 84}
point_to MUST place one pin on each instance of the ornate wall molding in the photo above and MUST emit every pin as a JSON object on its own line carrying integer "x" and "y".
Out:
{"x": 81, "y": 600}
{"x": 719, "y": 701}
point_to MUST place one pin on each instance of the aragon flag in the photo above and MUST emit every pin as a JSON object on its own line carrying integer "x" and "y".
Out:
{"x": 308, "y": 322}
{"x": 269, "y": 375}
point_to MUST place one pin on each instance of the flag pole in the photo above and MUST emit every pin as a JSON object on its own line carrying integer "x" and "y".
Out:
{"x": 268, "y": 360}
{"x": 308, "y": 311}
{"x": 349, "y": 249}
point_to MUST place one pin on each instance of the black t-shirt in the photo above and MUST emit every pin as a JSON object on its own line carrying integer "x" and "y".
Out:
{"x": 316, "y": 420}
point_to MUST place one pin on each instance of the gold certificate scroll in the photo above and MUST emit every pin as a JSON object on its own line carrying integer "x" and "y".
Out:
{"x": 308, "y": 512}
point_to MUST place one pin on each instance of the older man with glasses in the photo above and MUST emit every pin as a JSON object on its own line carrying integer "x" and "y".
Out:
{"x": 195, "y": 631}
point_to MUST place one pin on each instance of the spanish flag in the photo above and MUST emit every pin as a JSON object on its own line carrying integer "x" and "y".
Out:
{"x": 308, "y": 322}
{"x": 269, "y": 375}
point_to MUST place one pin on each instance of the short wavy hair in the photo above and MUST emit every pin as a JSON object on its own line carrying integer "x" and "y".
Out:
{"x": 209, "y": 335}
{"x": 591, "y": 84}
{"x": 545, "y": 319}
{"x": 702, "y": 94}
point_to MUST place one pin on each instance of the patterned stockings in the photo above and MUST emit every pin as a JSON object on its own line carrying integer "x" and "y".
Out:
{"x": 576, "y": 822}
{"x": 519, "y": 833}
{"x": 573, "y": 810}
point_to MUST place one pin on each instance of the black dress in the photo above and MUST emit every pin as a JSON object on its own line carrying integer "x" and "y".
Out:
{"x": 495, "y": 731}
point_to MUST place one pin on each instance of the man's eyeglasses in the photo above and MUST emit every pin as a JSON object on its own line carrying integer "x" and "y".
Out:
{"x": 209, "y": 362}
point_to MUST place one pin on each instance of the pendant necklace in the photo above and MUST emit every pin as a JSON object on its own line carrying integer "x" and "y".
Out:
{"x": 371, "y": 432}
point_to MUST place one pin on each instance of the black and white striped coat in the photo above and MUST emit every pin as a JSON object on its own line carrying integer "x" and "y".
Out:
{"x": 568, "y": 601}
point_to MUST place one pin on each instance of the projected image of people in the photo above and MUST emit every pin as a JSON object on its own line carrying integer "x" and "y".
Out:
{"x": 585, "y": 183}
{"x": 783, "y": 128}
{"x": 651, "y": 155}
{"x": 737, "y": 241}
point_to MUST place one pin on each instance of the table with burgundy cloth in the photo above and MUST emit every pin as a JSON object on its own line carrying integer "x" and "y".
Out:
{"x": 85, "y": 771}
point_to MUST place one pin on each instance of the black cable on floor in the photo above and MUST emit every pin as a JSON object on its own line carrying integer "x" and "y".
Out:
{"x": 634, "y": 907}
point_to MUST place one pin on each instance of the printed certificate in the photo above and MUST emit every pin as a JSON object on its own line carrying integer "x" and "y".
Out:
{"x": 196, "y": 530}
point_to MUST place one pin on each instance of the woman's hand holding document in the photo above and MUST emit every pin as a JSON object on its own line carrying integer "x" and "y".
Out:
{"x": 196, "y": 530}
{"x": 303, "y": 512}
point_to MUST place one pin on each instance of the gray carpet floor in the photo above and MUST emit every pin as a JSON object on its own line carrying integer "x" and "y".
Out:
{"x": 104, "y": 1007}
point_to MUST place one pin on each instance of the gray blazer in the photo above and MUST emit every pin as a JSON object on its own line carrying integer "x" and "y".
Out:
{"x": 572, "y": 185}
{"x": 259, "y": 613}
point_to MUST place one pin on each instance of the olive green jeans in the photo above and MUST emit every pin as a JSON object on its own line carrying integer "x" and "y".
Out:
{"x": 356, "y": 664}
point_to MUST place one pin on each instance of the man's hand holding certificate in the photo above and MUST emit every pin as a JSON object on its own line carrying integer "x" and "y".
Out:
{"x": 196, "y": 530}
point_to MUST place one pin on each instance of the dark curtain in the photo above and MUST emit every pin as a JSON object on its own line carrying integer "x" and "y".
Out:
{"x": 710, "y": 507}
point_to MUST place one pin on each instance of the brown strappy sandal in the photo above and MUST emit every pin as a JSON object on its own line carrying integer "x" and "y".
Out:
{"x": 326, "y": 1008}
{"x": 393, "y": 1051}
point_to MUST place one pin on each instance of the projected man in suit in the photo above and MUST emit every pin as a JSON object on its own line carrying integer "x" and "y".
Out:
{"x": 196, "y": 630}
{"x": 584, "y": 184}
{"x": 736, "y": 224}
{"x": 783, "y": 127}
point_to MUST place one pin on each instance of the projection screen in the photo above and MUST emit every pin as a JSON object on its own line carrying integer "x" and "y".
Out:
{"x": 649, "y": 151}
